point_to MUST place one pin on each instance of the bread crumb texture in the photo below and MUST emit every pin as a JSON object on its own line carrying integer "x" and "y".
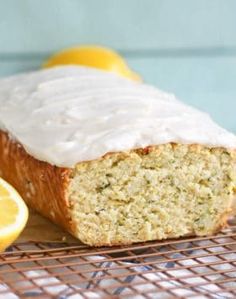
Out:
{"x": 155, "y": 193}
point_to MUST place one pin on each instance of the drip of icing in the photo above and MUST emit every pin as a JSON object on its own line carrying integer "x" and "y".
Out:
{"x": 70, "y": 114}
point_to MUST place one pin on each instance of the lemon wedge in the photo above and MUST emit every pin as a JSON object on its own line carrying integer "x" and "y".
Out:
{"x": 93, "y": 56}
{"x": 13, "y": 215}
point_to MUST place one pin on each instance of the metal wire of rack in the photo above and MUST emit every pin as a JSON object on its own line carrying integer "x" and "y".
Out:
{"x": 202, "y": 267}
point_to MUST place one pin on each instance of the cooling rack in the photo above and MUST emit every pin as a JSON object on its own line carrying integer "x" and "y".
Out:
{"x": 187, "y": 268}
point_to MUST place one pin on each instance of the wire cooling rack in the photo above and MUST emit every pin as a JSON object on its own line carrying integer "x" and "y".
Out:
{"x": 187, "y": 268}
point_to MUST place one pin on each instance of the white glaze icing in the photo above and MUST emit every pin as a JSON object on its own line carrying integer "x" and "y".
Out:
{"x": 69, "y": 114}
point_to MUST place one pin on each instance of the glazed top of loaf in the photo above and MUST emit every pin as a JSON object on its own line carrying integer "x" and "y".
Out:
{"x": 69, "y": 114}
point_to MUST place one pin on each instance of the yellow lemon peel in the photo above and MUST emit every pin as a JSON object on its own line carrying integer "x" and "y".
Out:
{"x": 13, "y": 215}
{"x": 93, "y": 56}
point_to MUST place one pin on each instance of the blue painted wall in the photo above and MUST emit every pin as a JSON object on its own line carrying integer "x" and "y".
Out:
{"x": 187, "y": 47}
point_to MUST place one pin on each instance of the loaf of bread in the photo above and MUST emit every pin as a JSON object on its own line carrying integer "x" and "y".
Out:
{"x": 114, "y": 161}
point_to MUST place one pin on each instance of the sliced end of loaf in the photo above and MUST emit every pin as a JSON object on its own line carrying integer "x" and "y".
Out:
{"x": 160, "y": 192}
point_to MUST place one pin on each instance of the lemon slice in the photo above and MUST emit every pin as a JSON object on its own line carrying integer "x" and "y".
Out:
{"x": 93, "y": 56}
{"x": 13, "y": 214}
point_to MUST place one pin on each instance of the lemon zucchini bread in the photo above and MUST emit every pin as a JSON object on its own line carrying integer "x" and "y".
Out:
{"x": 112, "y": 161}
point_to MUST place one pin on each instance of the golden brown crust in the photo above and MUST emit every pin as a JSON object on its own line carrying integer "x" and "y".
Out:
{"x": 30, "y": 177}
{"x": 44, "y": 187}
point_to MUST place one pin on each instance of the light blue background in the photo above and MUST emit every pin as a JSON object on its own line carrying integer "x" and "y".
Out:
{"x": 187, "y": 47}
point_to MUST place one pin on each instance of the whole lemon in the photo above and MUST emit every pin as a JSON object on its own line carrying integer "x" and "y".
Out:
{"x": 93, "y": 56}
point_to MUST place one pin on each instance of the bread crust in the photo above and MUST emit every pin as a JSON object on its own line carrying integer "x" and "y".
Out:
{"x": 31, "y": 179}
{"x": 44, "y": 186}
